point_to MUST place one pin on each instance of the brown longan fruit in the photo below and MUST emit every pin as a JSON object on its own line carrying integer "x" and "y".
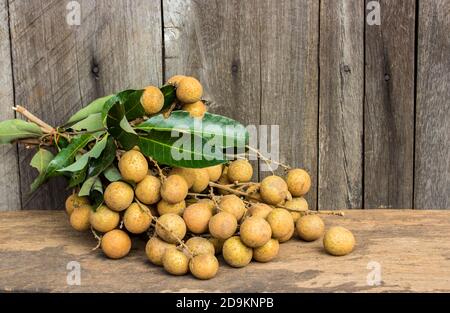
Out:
{"x": 189, "y": 90}
{"x": 260, "y": 210}
{"x": 196, "y": 109}
{"x": 232, "y": 204}
{"x": 175, "y": 80}
{"x": 79, "y": 219}
{"x": 187, "y": 173}
{"x": 155, "y": 249}
{"x": 236, "y": 253}
{"x": 273, "y": 189}
{"x": 74, "y": 201}
{"x": 201, "y": 181}
{"x": 240, "y": 171}
{"x": 199, "y": 245}
{"x": 133, "y": 166}
{"x": 148, "y": 190}
{"x": 281, "y": 222}
{"x": 209, "y": 203}
{"x": 175, "y": 262}
{"x": 298, "y": 203}
{"x": 170, "y": 227}
{"x": 298, "y": 182}
{"x": 165, "y": 207}
{"x": 288, "y": 236}
{"x": 223, "y": 225}
{"x": 118, "y": 196}
{"x": 255, "y": 232}
{"x": 310, "y": 227}
{"x": 104, "y": 219}
{"x": 267, "y": 252}
{"x": 204, "y": 266}
{"x": 197, "y": 216}
{"x": 217, "y": 243}
{"x": 338, "y": 241}
{"x": 116, "y": 244}
{"x": 137, "y": 218}
{"x": 214, "y": 172}
{"x": 152, "y": 100}
{"x": 174, "y": 189}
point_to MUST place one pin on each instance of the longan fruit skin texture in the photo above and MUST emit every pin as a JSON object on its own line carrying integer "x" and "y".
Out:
{"x": 201, "y": 180}
{"x": 118, "y": 196}
{"x": 273, "y": 189}
{"x": 148, "y": 190}
{"x": 204, "y": 266}
{"x": 104, "y": 219}
{"x": 165, "y": 207}
{"x": 217, "y": 243}
{"x": 137, "y": 218}
{"x": 152, "y": 100}
{"x": 74, "y": 201}
{"x": 260, "y": 210}
{"x": 187, "y": 173}
{"x": 169, "y": 224}
{"x": 175, "y": 262}
{"x": 199, "y": 245}
{"x": 310, "y": 227}
{"x": 240, "y": 171}
{"x": 338, "y": 241}
{"x": 214, "y": 172}
{"x": 189, "y": 90}
{"x": 133, "y": 166}
{"x": 155, "y": 249}
{"x": 288, "y": 236}
{"x": 223, "y": 225}
{"x": 174, "y": 189}
{"x": 196, "y": 109}
{"x": 281, "y": 223}
{"x": 116, "y": 244}
{"x": 298, "y": 181}
{"x": 209, "y": 203}
{"x": 298, "y": 203}
{"x": 255, "y": 232}
{"x": 235, "y": 253}
{"x": 232, "y": 204}
{"x": 267, "y": 252}
{"x": 79, "y": 219}
{"x": 197, "y": 216}
{"x": 175, "y": 80}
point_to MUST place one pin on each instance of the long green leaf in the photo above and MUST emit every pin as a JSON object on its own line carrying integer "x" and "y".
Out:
{"x": 95, "y": 152}
{"x": 91, "y": 123}
{"x": 97, "y": 166}
{"x": 169, "y": 95}
{"x": 41, "y": 160}
{"x": 11, "y": 130}
{"x": 95, "y": 106}
{"x": 112, "y": 174}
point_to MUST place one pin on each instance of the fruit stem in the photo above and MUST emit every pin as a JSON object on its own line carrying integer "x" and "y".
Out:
{"x": 31, "y": 117}
{"x": 234, "y": 191}
{"x": 267, "y": 160}
{"x": 99, "y": 239}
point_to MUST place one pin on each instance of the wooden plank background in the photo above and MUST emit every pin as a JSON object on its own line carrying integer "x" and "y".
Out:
{"x": 365, "y": 109}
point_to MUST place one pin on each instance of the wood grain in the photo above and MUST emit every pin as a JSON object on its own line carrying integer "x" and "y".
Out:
{"x": 341, "y": 104}
{"x": 432, "y": 167}
{"x": 389, "y": 107}
{"x": 58, "y": 68}
{"x": 411, "y": 248}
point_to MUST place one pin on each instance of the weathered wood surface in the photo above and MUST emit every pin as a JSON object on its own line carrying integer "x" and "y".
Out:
{"x": 341, "y": 104}
{"x": 411, "y": 248}
{"x": 389, "y": 107}
{"x": 432, "y": 168}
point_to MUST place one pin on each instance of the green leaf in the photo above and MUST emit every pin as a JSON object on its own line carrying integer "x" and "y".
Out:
{"x": 85, "y": 189}
{"x": 95, "y": 152}
{"x": 11, "y": 130}
{"x": 91, "y": 123}
{"x": 78, "y": 177}
{"x": 112, "y": 174}
{"x": 41, "y": 160}
{"x": 95, "y": 106}
{"x": 169, "y": 93}
{"x": 96, "y": 194}
{"x": 97, "y": 166}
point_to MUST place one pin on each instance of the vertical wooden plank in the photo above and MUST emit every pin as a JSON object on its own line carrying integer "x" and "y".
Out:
{"x": 9, "y": 170}
{"x": 289, "y": 80}
{"x": 58, "y": 68}
{"x": 432, "y": 155}
{"x": 341, "y": 104}
{"x": 389, "y": 107}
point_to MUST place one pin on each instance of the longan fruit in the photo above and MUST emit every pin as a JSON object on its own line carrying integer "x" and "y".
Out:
{"x": 169, "y": 227}
{"x": 281, "y": 222}
{"x": 273, "y": 189}
{"x": 174, "y": 189}
{"x": 155, "y": 248}
{"x": 196, "y": 109}
{"x": 175, "y": 262}
{"x": 223, "y": 180}
{"x": 236, "y": 253}
{"x": 199, "y": 245}
{"x": 187, "y": 173}
{"x": 137, "y": 218}
{"x": 260, "y": 210}
{"x": 299, "y": 204}
{"x": 116, "y": 244}
{"x": 165, "y": 207}
{"x": 74, "y": 201}
{"x": 240, "y": 171}
{"x": 338, "y": 241}
{"x": 175, "y": 80}
{"x": 255, "y": 232}
{"x": 197, "y": 216}
{"x": 204, "y": 266}
{"x": 267, "y": 252}
{"x": 298, "y": 182}
{"x": 214, "y": 172}
{"x": 133, "y": 166}
{"x": 152, "y": 100}
{"x": 118, "y": 196}
{"x": 232, "y": 204}
{"x": 201, "y": 181}
{"x": 310, "y": 227}
{"x": 217, "y": 243}
{"x": 79, "y": 219}
{"x": 223, "y": 225}
{"x": 189, "y": 90}
{"x": 148, "y": 190}
{"x": 288, "y": 236}
{"x": 104, "y": 219}
{"x": 209, "y": 203}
